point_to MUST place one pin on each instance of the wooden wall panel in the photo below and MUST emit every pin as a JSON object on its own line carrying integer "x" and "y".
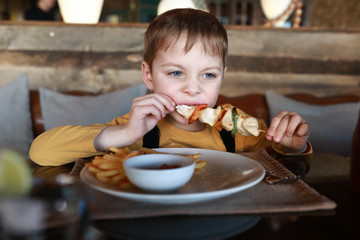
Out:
{"x": 105, "y": 57}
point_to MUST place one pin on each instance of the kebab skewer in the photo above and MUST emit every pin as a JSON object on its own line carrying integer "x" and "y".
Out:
{"x": 226, "y": 116}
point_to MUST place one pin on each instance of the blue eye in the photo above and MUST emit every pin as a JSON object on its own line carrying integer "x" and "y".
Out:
{"x": 209, "y": 75}
{"x": 176, "y": 73}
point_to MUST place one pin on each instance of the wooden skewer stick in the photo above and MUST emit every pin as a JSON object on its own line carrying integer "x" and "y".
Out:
{"x": 260, "y": 130}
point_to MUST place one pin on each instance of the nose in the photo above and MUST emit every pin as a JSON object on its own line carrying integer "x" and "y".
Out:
{"x": 192, "y": 86}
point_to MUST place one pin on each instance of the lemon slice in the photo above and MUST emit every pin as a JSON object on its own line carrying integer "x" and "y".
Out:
{"x": 15, "y": 174}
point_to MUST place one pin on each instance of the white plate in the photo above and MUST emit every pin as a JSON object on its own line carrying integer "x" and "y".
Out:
{"x": 224, "y": 174}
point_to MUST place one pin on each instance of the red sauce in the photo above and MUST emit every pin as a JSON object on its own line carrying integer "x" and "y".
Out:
{"x": 165, "y": 166}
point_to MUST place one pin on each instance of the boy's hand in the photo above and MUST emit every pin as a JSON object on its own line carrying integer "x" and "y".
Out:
{"x": 146, "y": 111}
{"x": 290, "y": 130}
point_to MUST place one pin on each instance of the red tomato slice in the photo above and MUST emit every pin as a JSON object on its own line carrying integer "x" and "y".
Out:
{"x": 218, "y": 125}
{"x": 196, "y": 113}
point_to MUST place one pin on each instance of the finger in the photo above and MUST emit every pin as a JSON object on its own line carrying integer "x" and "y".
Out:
{"x": 168, "y": 103}
{"x": 295, "y": 120}
{"x": 273, "y": 133}
{"x": 275, "y": 122}
{"x": 159, "y": 98}
{"x": 151, "y": 112}
{"x": 303, "y": 130}
{"x": 163, "y": 103}
{"x": 148, "y": 105}
{"x": 281, "y": 128}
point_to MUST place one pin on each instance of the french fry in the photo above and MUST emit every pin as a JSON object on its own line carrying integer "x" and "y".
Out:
{"x": 110, "y": 165}
{"x": 124, "y": 150}
{"x": 108, "y": 173}
{"x": 194, "y": 156}
{"x": 132, "y": 154}
{"x": 116, "y": 179}
{"x": 148, "y": 151}
{"x": 103, "y": 179}
{"x": 119, "y": 177}
{"x": 111, "y": 157}
{"x": 200, "y": 165}
{"x": 93, "y": 169}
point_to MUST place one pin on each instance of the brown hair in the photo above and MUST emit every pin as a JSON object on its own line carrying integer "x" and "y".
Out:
{"x": 197, "y": 25}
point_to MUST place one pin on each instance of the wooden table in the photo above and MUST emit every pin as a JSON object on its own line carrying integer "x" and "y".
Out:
{"x": 329, "y": 175}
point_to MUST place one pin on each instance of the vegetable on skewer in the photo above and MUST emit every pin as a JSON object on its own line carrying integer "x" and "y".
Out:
{"x": 227, "y": 116}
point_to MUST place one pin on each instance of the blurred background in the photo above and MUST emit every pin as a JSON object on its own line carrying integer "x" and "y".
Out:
{"x": 316, "y": 13}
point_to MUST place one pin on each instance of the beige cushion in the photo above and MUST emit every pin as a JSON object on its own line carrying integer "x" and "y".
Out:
{"x": 15, "y": 119}
{"x": 61, "y": 109}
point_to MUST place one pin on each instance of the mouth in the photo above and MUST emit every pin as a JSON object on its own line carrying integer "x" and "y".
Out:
{"x": 189, "y": 104}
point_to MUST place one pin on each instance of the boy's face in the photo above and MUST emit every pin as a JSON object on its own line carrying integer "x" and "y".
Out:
{"x": 188, "y": 78}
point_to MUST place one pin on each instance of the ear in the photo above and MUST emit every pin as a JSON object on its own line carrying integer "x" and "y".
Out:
{"x": 147, "y": 77}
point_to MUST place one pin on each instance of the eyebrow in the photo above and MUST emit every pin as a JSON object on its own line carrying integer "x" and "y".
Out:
{"x": 172, "y": 65}
{"x": 214, "y": 67}
{"x": 181, "y": 66}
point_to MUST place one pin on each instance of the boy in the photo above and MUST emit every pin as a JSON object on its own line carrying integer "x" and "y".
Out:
{"x": 184, "y": 63}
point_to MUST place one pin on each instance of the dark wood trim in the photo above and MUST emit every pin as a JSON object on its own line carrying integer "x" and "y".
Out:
{"x": 132, "y": 60}
{"x": 292, "y": 65}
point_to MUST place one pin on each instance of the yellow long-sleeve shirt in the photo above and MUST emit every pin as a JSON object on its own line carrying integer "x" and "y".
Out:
{"x": 65, "y": 144}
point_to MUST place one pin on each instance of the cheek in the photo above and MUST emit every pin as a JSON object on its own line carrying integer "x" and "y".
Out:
{"x": 170, "y": 90}
{"x": 166, "y": 89}
{"x": 159, "y": 83}
{"x": 212, "y": 95}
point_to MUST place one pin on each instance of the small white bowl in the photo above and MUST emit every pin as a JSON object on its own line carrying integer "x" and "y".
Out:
{"x": 144, "y": 171}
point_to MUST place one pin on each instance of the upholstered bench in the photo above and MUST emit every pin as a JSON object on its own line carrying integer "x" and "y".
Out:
{"x": 258, "y": 106}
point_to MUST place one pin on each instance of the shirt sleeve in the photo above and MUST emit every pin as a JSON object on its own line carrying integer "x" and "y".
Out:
{"x": 65, "y": 144}
{"x": 308, "y": 150}
{"x": 62, "y": 145}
